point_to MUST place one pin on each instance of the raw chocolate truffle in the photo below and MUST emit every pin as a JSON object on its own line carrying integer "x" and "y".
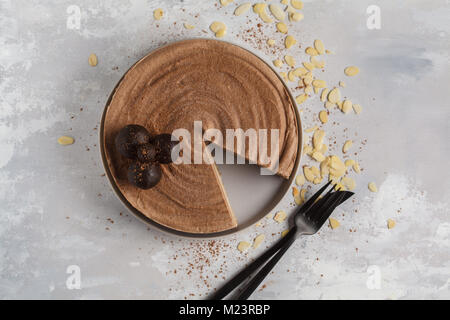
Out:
{"x": 146, "y": 153}
{"x": 144, "y": 175}
{"x": 164, "y": 145}
{"x": 129, "y": 138}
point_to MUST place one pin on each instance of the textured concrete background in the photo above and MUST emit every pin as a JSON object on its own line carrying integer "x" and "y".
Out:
{"x": 57, "y": 209}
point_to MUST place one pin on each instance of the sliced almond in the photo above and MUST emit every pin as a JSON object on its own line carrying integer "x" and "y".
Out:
{"x": 308, "y": 65}
{"x": 216, "y": 26}
{"x": 348, "y": 183}
{"x": 329, "y": 105}
{"x": 347, "y": 146}
{"x": 243, "y": 8}
{"x": 342, "y": 84}
{"x": 296, "y": 16}
{"x": 289, "y": 42}
{"x": 334, "y": 96}
{"x": 221, "y": 33}
{"x": 297, "y": 4}
{"x": 277, "y": 12}
{"x": 312, "y": 129}
{"x": 271, "y": 42}
{"x": 373, "y": 187}
{"x": 280, "y": 216}
{"x": 311, "y": 51}
{"x": 284, "y": 233}
{"x": 356, "y": 167}
{"x": 93, "y": 60}
{"x": 347, "y": 106}
{"x": 301, "y": 98}
{"x": 349, "y": 162}
{"x": 351, "y": 71}
{"x": 357, "y": 108}
{"x": 317, "y": 64}
{"x": 318, "y": 45}
{"x": 290, "y": 60}
{"x": 319, "y": 83}
{"x": 295, "y": 191}
{"x": 300, "y": 180}
{"x": 243, "y": 246}
{"x": 188, "y": 26}
{"x": 259, "y": 7}
{"x": 291, "y": 76}
{"x": 302, "y": 194}
{"x": 334, "y": 223}
{"x": 308, "y": 174}
{"x": 309, "y": 89}
{"x": 258, "y": 240}
{"x": 300, "y": 72}
{"x": 65, "y": 140}
{"x": 265, "y": 17}
{"x": 323, "y": 116}
{"x": 318, "y": 139}
{"x": 282, "y": 27}
{"x": 225, "y": 2}
{"x": 324, "y": 94}
{"x": 318, "y": 156}
{"x": 390, "y": 223}
{"x": 158, "y": 14}
{"x": 278, "y": 63}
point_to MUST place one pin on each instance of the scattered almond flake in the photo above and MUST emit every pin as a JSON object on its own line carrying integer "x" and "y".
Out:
{"x": 158, "y": 14}
{"x": 329, "y": 52}
{"x": 349, "y": 162}
{"x": 351, "y": 71}
{"x": 243, "y": 246}
{"x": 308, "y": 89}
{"x": 264, "y": 16}
{"x": 318, "y": 156}
{"x": 291, "y": 76}
{"x": 334, "y": 223}
{"x": 296, "y": 16}
{"x": 342, "y": 84}
{"x": 323, "y": 116}
{"x": 284, "y": 233}
{"x": 324, "y": 94}
{"x": 216, "y": 26}
{"x": 329, "y": 105}
{"x": 307, "y": 80}
{"x": 284, "y": 75}
{"x": 300, "y": 72}
{"x": 259, "y": 7}
{"x": 337, "y": 167}
{"x": 295, "y": 192}
{"x": 316, "y": 90}
{"x": 390, "y": 223}
{"x": 243, "y": 8}
{"x": 225, "y": 2}
{"x": 318, "y": 64}
{"x": 340, "y": 104}
{"x": 289, "y": 42}
{"x": 65, "y": 140}
{"x": 348, "y": 183}
{"x": 258, "y": 240}
{"x": 298, "y": 201}
{"x": 93, "y": 60}
{"x": 282, "y": 27}
{"x": 278, "y": 63}
{"x": 307, "y": 149}
{"x": 334, "y": 96}
{"x": 340, "y": 187}
{"x": 308, "y": 65}
{"x": 277, "y": 12}
{"x": 356, "y": 167}
{"x": 297, "y": 4}
{"x": 311, "y": 51}
{"x": 290, "y": 61}
{"x": 324, "y": 148}
{"x": 188, "y": 26}
{"x": 319, "y": 83}
{"x": 347, "y": 146}
{"x": 308, "y": 174}
{"x": 301, "y": 98}
{"x": 357, "y": 108}
{"x": 280, "y": 216}
{"x": 285, "y": 2}
{"x": 318, "y": 139}
{"x": 324, "y": 167}
{"x": 302, "y": 194}
{"x": 221, "y": 33}
{"x": 373, "y": 187}
{"x": 318, "y": 45}
{"x": 347, "y": 106}
{"x": 271, "y": 42}
{"x": 300, "y": 180}
{"x": 318, "y": 180}
{"x": 311, "y": 129}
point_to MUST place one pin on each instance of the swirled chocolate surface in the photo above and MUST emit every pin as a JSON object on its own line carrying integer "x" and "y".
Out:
{"x": 222, "y": 85}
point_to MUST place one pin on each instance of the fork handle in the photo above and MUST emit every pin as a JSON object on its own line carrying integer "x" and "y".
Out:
{"x": 241, "y": 276}
{"x": 262, "y": 274}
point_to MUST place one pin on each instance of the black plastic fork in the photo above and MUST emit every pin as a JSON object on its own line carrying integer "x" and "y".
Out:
{"x": 307, "y": 221}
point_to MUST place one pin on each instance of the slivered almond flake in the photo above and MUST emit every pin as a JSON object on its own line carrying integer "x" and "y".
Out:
{"x": 188, "y": 26}
{"x": 334, "y": 96}
{"x": 356, "y": 167}
{"x": 308, "y": 174}
{"x": 65, "y": 140}
{"x": 282, "y": 27}
{"x": 221, "y": 33}
{"x": 318, "y": 156}
{"x": 324, "y": 167}
{"x": 357, "y": 108}
{"x": 308, "y": 65}
{"x": 342, "y": 84}
{"x": 296, "y": 16}
{"x": 243, "y": 246}
{"x": 311, "y": 51}
{"x": 323, "y": 116}
{"x": 271, "y": 42}
{"x": 312, "y": 129}
{"x": 158, "y": 14}
{"x": 298, "y": 200}
{"x": 284, "y": 76}
{"x": 280, "y": 216}
{"x": 308, "y": 89}
{"x": 373, "y": 187}
{"x": 216, "y": 26}
{"x": 297, "y": 4}
{"x": 307, "y": 79}
{"x": 318, "y": 139}
{"x": 289, "y": 42}
{"x": 300, "y": 72}
{"x": 290, "y": 61}
{"x": 390, "y": 223}
{"x": 351, "y": 71}
{"x": 349, "y": 162}
{"x": 334, "y": 223}
{"x": 318, "y": 45}
{"x": 225, "y": 2}
{"x": 307, "y": 149}
{"x": 347, "y": 146}
{"x": 278, "y": 63}
{"x": 285, "y": 2}
{"x": 302, "y": 194}
{"x": 300, "y": 180}
{"x": 93, "y": 60}
{"x": 284, "y": 233}
{"x": 347, "y": 106}
{"x": 318, "y": 64}
{"x": 318, "y": 180}
{"x": 291, "y": 76}
{"x": 259, "y": 7}
{"x": 319, "y": 83}
{"x": 265, "y": 17}
{"x": 301, "y": 98}
{"x": 329, "y": 105}
{"x": 324, "y": 94}
{"x": 258, "y": 240}
{"x": 348, "y": 183}
{"x": 277, "y": 12}
{"x": 316, "y": 90}
{"x": 243, "y": 8}
{"x": 295, "y": 191}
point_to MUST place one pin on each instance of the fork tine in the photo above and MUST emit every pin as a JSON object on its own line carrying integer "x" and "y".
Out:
{"x": 327, "y": 212}
{"x": 318, "y": 209}
{"x": 311, "y": 201}
{"x": 317, "y": 205}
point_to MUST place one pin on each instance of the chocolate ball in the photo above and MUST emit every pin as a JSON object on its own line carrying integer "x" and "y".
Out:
{"x": 144, "y": 175}
{"x": 129, "y": 138}
{"x": 146, "y": 153}
{"x": 164, "y": 145}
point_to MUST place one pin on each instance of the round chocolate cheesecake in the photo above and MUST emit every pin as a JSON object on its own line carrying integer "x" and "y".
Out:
{"x": 223, "y": 86}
